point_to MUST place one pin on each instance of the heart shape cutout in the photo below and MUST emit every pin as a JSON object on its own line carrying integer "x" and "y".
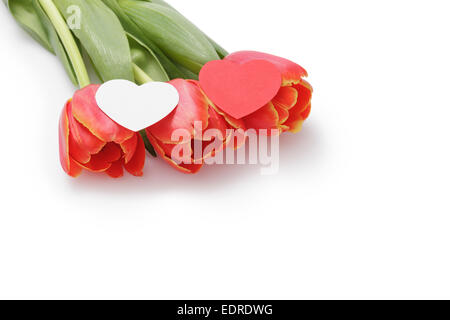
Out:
{"x": 136, "y": 107}
{"x": 240, "y": 89}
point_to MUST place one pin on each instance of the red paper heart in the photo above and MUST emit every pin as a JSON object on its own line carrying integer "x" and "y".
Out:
{"x": 240, "y": 89}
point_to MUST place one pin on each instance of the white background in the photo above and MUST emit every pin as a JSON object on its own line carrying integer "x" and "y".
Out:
{"x": 359, "y": 209}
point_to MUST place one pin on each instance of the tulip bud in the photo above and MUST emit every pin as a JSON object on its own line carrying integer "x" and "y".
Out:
{"x": 193, "y": 116}
{"x": 180, "y": 40}
{"x": 291, "y": 106}
{"x": 90, "y": 140}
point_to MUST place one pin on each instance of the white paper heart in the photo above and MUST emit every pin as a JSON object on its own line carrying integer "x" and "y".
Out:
{"x": 136, "y": 107}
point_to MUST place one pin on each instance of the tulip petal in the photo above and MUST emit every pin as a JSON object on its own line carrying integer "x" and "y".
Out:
{"x": 283, "y": 114}
{"x": 185, "y": 168}
{"x": 64, "y": 140}
{"x": 192, "y": 107}
{"x": 236, "y": 139}
{"x": 290, "y": 71}
{"x": 136, "y": 164}
{"x": 305, "y": 114}
{"x": 304, "y": 94}
{"x": 300, "y": 111}
{"x": 110, "y": 153}
{"x": 216, "y": 122}
{"x": 82, "y": 137}
{"x": 68, "y": 165}
{"x": 102, "y": 161}
{"x": 215, "y": 132}
{"x": 208, "y": 149}
{"x": 265, "y": 118}
{"x": 82, "y": 143}
{"x": 75, "y": 169}
{"x": 116, "y": 169}
{"x": 286, "y": 98}
{"x": 129, "y": 147}
{"x": 190, "y": 168}
{"x": 86, "y": 111}
{"x": 168, "y": 149}
{"x": 233, "y": 122}
{"x": 96, "y": 164}
{"x": 79, "y": 154}
{"x": 296, "y": 126}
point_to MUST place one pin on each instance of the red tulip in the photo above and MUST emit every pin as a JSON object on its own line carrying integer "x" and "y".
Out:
{"x": 292, "y": 105}
{"x": 195, "y": 114}
{"x": 89, "y": 139}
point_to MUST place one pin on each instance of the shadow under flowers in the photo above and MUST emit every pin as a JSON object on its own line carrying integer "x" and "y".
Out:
{"x": 298, "y": 152}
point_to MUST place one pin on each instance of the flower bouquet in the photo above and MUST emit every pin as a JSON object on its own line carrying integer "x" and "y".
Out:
{"x": 148, "y": 41}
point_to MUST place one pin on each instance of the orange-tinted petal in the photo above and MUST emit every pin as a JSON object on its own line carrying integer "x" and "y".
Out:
{"x": 95, "y": 165}
{"x": 233, "y": 122}
{"x": 76, "y": 152}
{"x": 299, "y": 112}
{"x": 129, "y": 147}
{"x": 290, "y": 71}
{"x": 286, "y": 98}
{"x": 168, "y": 149}
{"x": 192, "y": 107}
{"x": 190, "y": 168}
{"x": 82, "y": 143}
{"x": 67, "y": 163}
{"x": 216, "y": 134}
{"x": 265, "y": 118}
{"x": 102, "y": 161}
{"x": 64, "y": 140}
{"x": 217, "y": 122}
{"x": 116, "y": 169}
{"x": 75, "y": 169}
{"x": 236, "y": 139}
{"x": 305, "y": 114}
{"x": 110, "y": 153}
{"x": 283, "y": 114}
{"x": 83, "y": 139}
{"x": 185, "y": 168}
{"x": 296, "y": 126}
{"x": 86, "y": 111}
{"x": 136, "y": 164}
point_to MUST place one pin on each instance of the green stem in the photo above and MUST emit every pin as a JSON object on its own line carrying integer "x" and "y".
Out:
{"x": 140, "y": 76}
{"x": 148, "y": 145}
{"x": 68, "y": 41}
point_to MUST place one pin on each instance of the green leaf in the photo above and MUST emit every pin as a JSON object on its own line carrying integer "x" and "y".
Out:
{"x": 175, "y": 35}
{"x": 55, "y": 41}
{"x": 127, "y": 23}
{"x": 130, "y": 27}
{"x": 145, "y": 59}
{"x": 103, "y": 38}
{"x": 25, "y": 14}
{"x": 188, "y": 73}
{"x": 220, "y": 51}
